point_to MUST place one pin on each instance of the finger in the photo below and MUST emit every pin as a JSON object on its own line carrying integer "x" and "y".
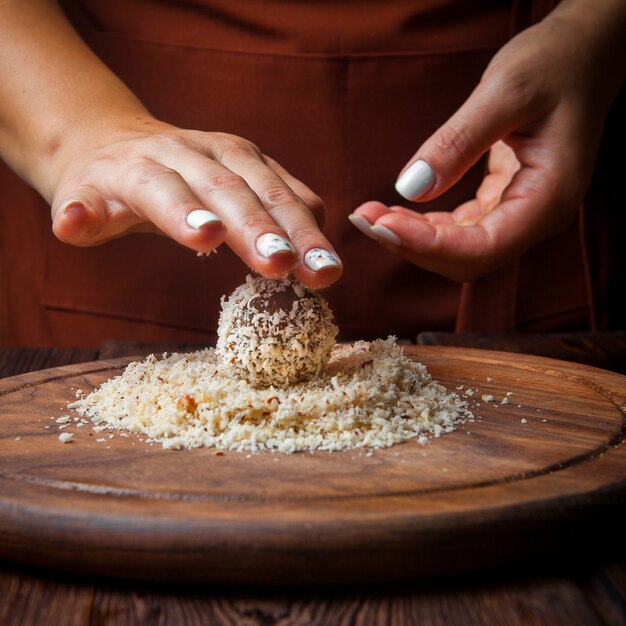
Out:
{"x": 251, "y": 232}
{"x": 314, "y": 203}
{"x": 159, "y": 195}
{"x": 83, "y": 216}
{"x": 529, "y": 212}
{"x": 319, "y": 264}
{"x": 489, "y": 114}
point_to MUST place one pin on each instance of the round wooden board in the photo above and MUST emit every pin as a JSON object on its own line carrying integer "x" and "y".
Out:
{"x": 535, "y": 473}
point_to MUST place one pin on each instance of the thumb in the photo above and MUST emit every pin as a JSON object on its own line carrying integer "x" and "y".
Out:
{"x": 484, "y": 118}
{"x": 85, "y": 218}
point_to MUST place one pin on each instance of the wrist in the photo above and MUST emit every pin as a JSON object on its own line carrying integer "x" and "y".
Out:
{"x": 597, "y": 35}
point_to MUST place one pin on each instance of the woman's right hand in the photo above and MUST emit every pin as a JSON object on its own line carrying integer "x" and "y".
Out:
{"x": 199, "y": 188}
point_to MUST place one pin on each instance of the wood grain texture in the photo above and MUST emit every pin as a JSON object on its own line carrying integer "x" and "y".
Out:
{"x": 19, "y": 360}
{"x": 466, "y": 501}
{"x": 603, "y": 349}
{"x": 37, "y": 601}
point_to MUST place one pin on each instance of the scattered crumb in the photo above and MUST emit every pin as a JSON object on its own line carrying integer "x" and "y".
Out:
{"x": 101, "y": 440}
{"x": 64, "y": 419}
{"x": 487, "y": 397}
{"x": 460, "y": 387}
{"x": 509, "y": 393}
{"x": 469, "y": 392}
{"x": 524, "y": 420}
{"x": 65, "y": 437}
{"x": 17, "y": 438}
{"x": 489, "y": 379}
{"x": 370, "y": 395}
{"x": 47, "y": 426}
{"x": 544, "y": 420}
{"x": 504, "y": 401}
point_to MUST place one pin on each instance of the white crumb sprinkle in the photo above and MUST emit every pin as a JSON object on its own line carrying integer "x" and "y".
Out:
{"x": 17, "y": 438}
{"x": 504, "y": 401}
{"x": 460, "y": 387}
{"x": 509, "y": 393}
{"x": 489, "y": 379}
{"x": 100, "y": 440}
{"x": 46, "y": 426}
{"x": 487, "y": 397}
{"x": 370, "y": 395}
{"x": 524, "y": 420}
{"x": 544, "y": 420}
{"x": 469, "y": 392}
{"x": 65, "y": 437}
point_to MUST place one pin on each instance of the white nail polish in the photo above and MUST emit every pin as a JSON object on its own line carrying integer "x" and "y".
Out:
{"x": 200, "y": 217}
{"x": 388, "y": 235}
{"x": 417, "y": 179}
{"x": 270, "y": 243}
{"x": 363, "y": 225}
{"x": 318, "y": 258}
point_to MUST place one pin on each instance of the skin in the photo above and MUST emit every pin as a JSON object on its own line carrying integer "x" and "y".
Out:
{"x": 538, "y": 111}
{"x": 108, "y": 167}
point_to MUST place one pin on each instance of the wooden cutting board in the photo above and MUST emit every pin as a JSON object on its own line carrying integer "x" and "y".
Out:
{"x": 526, "y": 478}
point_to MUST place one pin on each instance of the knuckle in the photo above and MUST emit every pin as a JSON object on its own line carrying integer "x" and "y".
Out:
{"x": 306, "y": 238}
{"x": 254, "y": 223}
{"x": 457, "y": 140}
{"x": 145, "y": 174}
{"x": 216, "y": 183}
{"x": 277, "y": 197}
{"x": 516, "y": 87}
{"x": 234, "y": 147}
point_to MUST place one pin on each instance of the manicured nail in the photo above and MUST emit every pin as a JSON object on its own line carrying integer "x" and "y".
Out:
{"x": 318, "y": 258}
{"x": 363, "y": 225}
{"x": 415, "y": 180}
{"x": 200, "y": 217}
{"x": 388, "y": 235}
{"x": 270, "y": 244}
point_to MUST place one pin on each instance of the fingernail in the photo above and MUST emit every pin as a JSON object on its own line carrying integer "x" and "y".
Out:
{"x": 387, "y": 235}
{"x": 86, "y": 216}
{"x": 318, "y": 258}
{"x": 415, "y": 180}
{"x": 200, "y": 217}
{"x": 270, "y": 244}
{"x": 363, "y": 225}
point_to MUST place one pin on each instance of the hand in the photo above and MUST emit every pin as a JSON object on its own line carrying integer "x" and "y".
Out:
{"x": 539, "y": 111}
{"x": 198, "y": 188}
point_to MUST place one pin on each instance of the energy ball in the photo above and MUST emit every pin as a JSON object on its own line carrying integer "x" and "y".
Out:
{"x": 275, "y": 332}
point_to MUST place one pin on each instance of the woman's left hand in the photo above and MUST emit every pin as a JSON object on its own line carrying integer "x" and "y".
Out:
{"x": 539, "y": 110}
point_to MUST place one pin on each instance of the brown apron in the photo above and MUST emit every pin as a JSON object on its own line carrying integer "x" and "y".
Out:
{"x": 340, "y": 93}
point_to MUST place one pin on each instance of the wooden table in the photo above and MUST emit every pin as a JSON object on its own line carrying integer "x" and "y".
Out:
{"x": 571, "y": 591}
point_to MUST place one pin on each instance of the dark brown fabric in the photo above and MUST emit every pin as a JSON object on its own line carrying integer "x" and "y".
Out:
{"x": 341, "y": 93}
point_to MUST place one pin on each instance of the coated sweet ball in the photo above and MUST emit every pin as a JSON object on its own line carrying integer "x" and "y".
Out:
{"x": 275, "y": 332}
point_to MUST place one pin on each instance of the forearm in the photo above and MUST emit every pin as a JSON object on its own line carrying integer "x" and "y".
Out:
{"x": 56, "y": 94}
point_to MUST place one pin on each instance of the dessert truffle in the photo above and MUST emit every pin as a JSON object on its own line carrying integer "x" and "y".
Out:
{"x": 275, "y": 332}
